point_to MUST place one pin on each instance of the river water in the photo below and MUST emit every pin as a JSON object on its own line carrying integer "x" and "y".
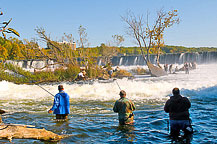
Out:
{"x": 92, "y": 119}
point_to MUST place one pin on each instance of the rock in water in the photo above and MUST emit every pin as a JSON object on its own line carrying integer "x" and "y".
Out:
{"x": 155, "y": 71}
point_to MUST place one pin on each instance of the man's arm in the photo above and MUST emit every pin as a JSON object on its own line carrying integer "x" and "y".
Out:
{"x": 115, "y": 109}
{"x": 166, "y": 107}
{"x": 132, "y": 106}
{"x": 188, "y": 103}
{"x": 55, "y": 103}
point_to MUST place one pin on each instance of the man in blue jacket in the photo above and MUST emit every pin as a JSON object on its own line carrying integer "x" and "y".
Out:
{"x": 61, "y": 106}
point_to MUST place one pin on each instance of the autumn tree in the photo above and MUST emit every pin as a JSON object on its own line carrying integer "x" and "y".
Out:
{"x": 31, "y": 50}
{"x": 3, "y": 53}
{"x": 150, "y": 36}
{"x": 164, "y": 20}
{"x": 5, "y": 29}
{"x": 56, "y": 51}
{"x": 65, "y": 56}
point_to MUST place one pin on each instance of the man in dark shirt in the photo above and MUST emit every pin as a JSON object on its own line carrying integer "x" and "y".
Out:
{"x": 177, "y": 107}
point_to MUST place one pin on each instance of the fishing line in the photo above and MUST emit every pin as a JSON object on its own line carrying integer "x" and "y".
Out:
{"x": 118, "y": 85}
{"x": 36, "y": 84}
{"x": 45, "y": 90}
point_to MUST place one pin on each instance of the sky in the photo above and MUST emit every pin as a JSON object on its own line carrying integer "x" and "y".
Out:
{"x": 102, "y": 19}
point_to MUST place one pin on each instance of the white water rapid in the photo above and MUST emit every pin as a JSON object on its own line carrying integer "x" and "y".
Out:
{"x": 142, "y": 88}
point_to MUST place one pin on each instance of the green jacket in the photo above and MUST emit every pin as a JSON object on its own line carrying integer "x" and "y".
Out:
{"x": 124, "y": 107}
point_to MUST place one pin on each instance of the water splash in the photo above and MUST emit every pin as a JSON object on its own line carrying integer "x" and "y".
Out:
{"x": 143, "y": 88}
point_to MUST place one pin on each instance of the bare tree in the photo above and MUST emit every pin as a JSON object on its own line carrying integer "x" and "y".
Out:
{"x": 118, "y": 40}
{"x": 82, "y": 36}
{"x": 57, "y": 51}
{"x": 150, "y": 36}
{"x": 63, "y": 55}
{"x": 108, "y": 52}
{"x": 68, "y": 37}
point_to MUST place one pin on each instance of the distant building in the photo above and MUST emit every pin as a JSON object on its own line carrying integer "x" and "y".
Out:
{"x": 71, "y": 45}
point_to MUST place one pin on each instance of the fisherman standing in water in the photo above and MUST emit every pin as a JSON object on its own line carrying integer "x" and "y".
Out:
{"x": 178, "y": 109}
{"x": 124, "y": 107}
{"x": 186, "y": 66}
{"x": 61, "y": 106}
{"x": 170, "y": 68}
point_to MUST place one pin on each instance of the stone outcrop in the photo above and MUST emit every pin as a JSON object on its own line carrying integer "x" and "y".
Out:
{"x": 155, "y": 71}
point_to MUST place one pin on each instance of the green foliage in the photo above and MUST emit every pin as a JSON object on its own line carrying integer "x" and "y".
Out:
{"x": 181, "y": 49}
{"x": 68, "y": 74}
{"x": 11, "y": 77}
{"x": 14, "y": 49}
{"x": 22, "y": 76}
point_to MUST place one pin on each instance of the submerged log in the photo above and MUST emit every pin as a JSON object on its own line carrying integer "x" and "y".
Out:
{"x": 155, "y": 71}
{"x": 10, "y": 131}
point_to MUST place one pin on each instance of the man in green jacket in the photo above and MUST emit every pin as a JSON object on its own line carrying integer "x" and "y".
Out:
{"x": 124, "y": 107}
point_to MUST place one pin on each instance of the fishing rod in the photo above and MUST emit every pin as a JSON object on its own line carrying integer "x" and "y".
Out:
{"x": 45, "y": 90}
{"x": 36, "y": 84}
{"x": 118, "y": 85}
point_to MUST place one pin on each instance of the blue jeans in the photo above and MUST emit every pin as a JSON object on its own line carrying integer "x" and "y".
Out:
{"x": 177, "y": 125}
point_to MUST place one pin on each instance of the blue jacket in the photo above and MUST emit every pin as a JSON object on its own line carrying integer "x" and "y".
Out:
{"x": 61, "y": 103}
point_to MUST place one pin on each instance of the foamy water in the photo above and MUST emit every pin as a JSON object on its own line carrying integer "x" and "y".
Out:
{"x": 140, "y": 88}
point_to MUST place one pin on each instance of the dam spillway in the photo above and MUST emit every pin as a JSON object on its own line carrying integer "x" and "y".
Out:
{"x": 169, "y": 58}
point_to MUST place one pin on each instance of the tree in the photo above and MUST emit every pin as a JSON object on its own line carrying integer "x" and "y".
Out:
{"x": 83, "y": 41}
{"x": 3, "y": 53}
{"x": 5, "y": 29}
{"x": 118, "y": 40}
{"x": 30, "y": 50}
{"x": 164, "y": 20}
{"x": 56, "y": 51}
{"x": 63, "y": 55}
{"x": 107, "y": 52}
{"x": 150, "y": 36}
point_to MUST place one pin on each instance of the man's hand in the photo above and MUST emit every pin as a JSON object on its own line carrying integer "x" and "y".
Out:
{"x": 50, "y": 111}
